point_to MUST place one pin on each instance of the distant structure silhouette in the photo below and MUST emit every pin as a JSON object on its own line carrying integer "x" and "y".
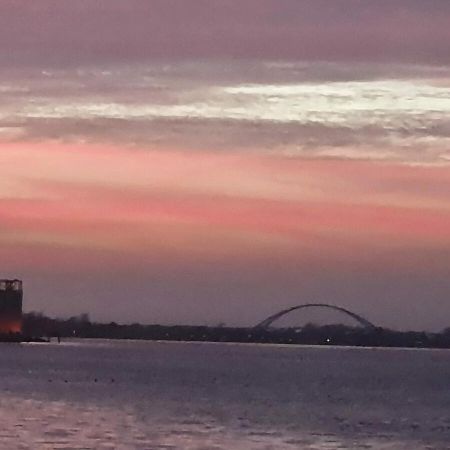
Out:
{"x": 361, "y": 320}
{"x": 11, "y": 294}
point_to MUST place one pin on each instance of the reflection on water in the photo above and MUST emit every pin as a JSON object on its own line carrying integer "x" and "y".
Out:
{"x": 126, "y": 395}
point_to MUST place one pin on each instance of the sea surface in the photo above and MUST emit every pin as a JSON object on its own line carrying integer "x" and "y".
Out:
{"x": 100, "y": 394}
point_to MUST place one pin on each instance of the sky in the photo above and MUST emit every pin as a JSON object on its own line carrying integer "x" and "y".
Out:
{"x": 206, "y": 161}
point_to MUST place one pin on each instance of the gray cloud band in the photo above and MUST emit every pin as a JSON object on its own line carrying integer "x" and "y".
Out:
{"x": 396, "y": 112}
{"x": 72, "y": 33}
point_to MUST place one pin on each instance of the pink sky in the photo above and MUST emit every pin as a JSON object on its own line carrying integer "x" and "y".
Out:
{"x": 218, "y": 161}
{"x": 79, "y": 208}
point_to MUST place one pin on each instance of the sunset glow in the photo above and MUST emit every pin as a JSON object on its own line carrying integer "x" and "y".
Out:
{"x": 228, "y": 179}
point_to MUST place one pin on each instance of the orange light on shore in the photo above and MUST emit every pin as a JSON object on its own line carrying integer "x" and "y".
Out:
{"x": 10, "y": 326}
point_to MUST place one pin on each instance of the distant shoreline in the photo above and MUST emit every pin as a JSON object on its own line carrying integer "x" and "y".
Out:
{"x": 80, "y": 340}
{"x": 39, "y": 326}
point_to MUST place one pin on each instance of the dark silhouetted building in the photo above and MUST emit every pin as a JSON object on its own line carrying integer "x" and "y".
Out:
{"x": 11, "y": 294}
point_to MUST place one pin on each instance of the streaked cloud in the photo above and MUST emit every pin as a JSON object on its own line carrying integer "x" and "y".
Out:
{"x": 201, "y": 107}
{"x": 221, "y": 159}
{"x": 84, "y": 184}
{"x": 105, "y": 213}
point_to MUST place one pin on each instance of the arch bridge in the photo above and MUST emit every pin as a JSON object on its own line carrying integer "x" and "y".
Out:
{"x": 361, "y": 320}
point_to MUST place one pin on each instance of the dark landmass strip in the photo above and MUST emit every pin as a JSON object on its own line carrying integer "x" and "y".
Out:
{"x": 37, "y": 325}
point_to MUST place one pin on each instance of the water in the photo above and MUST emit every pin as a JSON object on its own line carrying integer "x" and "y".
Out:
{"x": 147, "y": 395}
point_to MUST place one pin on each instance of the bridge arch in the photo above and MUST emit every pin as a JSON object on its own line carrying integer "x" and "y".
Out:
{"x": 361, "y": 320}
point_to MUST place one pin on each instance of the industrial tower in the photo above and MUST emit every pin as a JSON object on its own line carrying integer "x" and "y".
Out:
{"x": 11, "y": 295}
